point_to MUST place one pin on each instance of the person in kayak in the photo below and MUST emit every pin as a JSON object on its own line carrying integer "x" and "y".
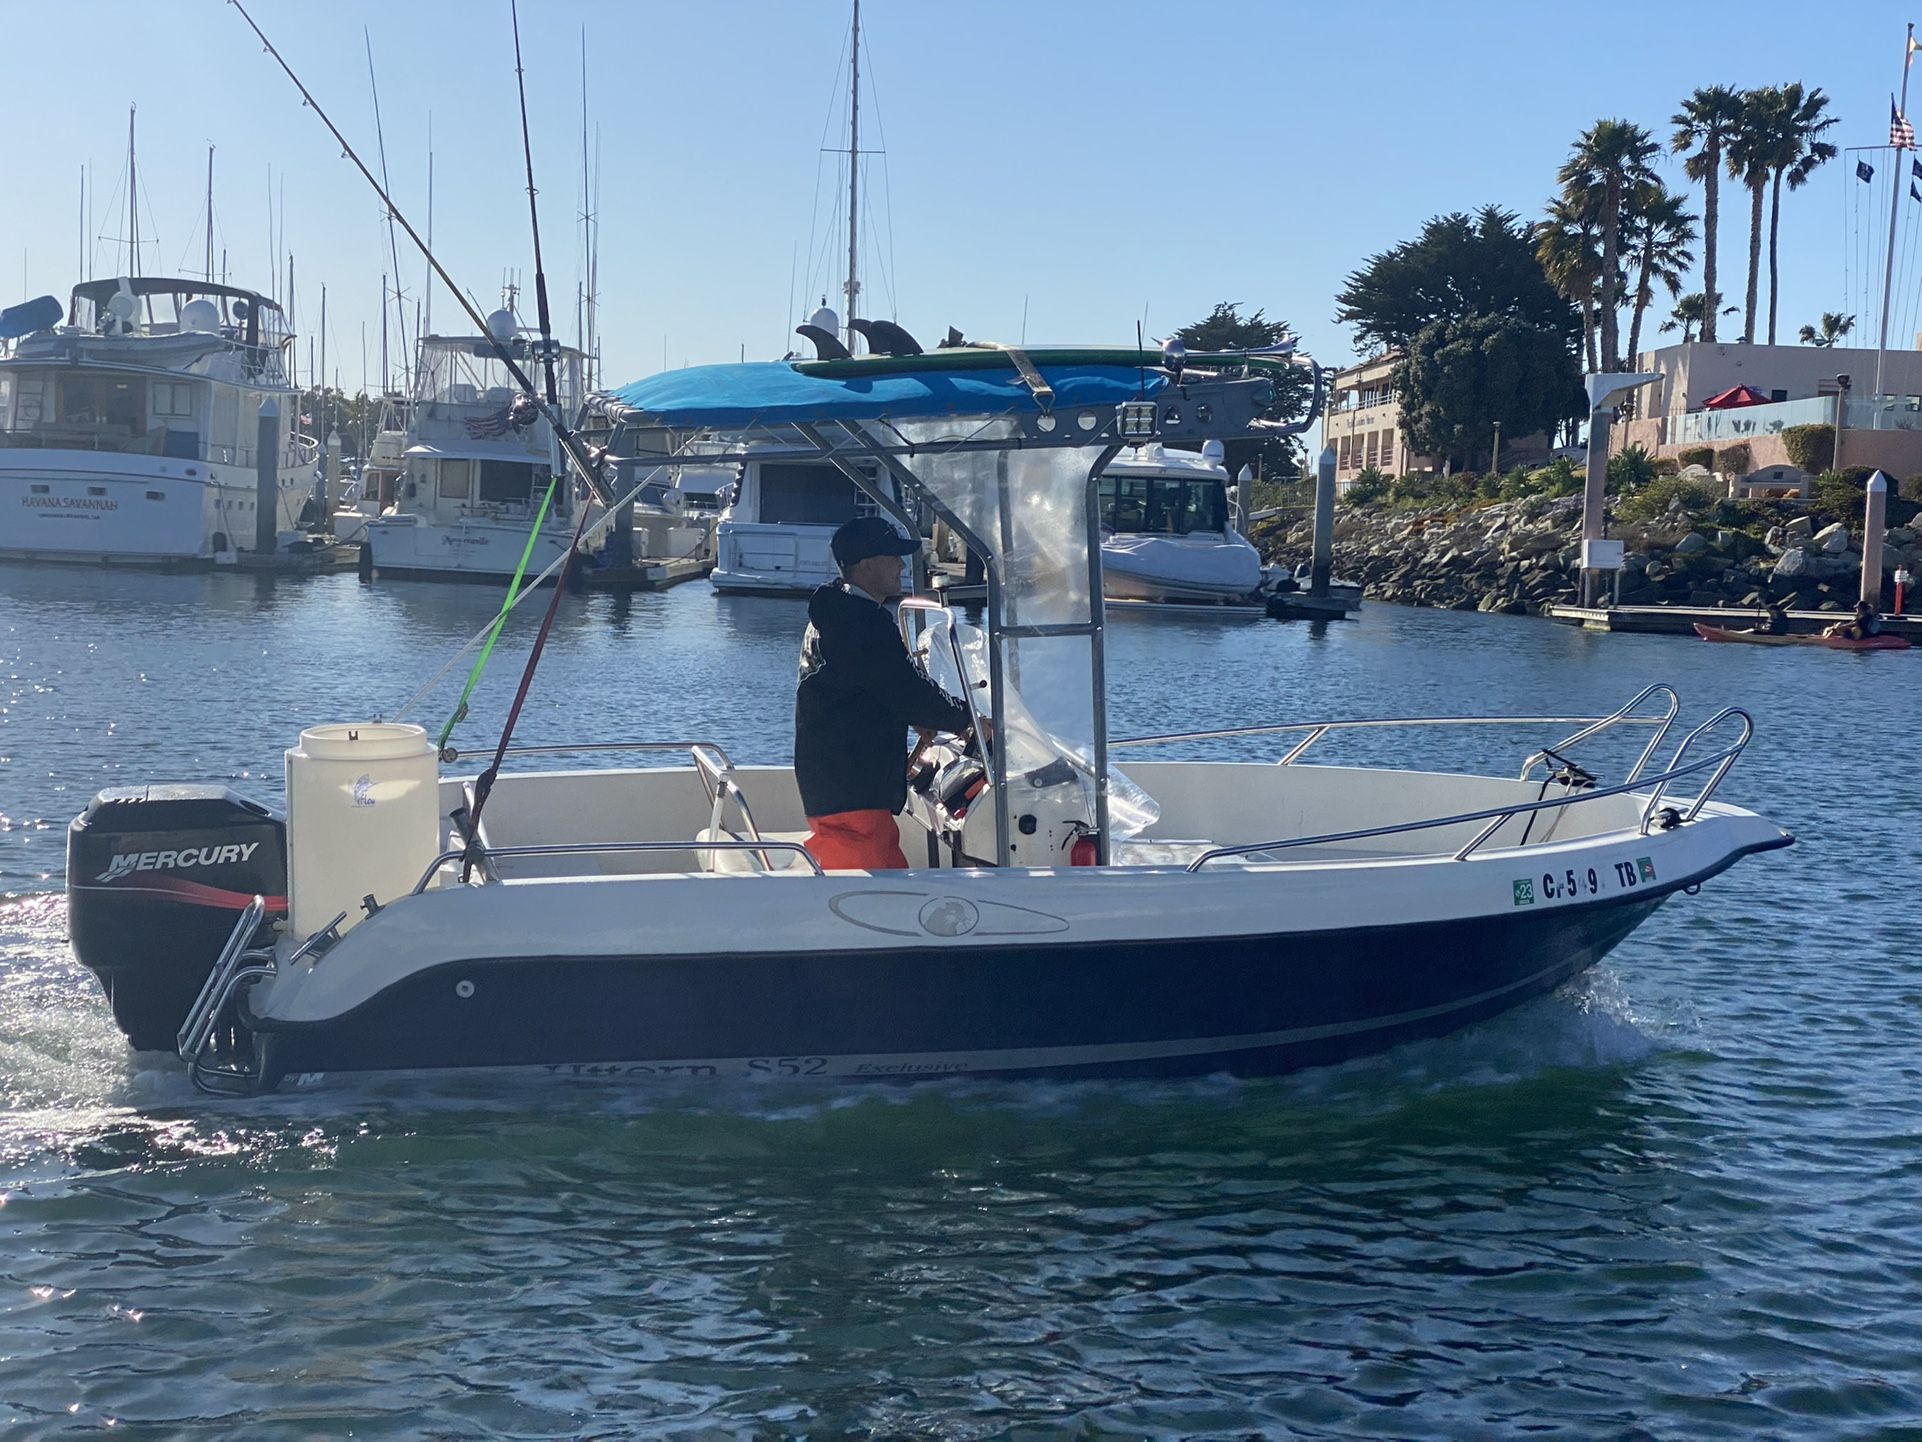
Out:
{"x": 859, "y": 694}
{"x": 1859, "y": 627}
{"x": 1775, "y": 621}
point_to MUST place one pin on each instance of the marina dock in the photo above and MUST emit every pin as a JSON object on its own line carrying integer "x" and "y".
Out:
{"x": 1681, "y": 620}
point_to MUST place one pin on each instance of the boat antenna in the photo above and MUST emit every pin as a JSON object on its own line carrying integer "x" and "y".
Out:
{"x": 854, "y": 168}
{"x": 133, "y": 203}
{"x": 210, "y": 214}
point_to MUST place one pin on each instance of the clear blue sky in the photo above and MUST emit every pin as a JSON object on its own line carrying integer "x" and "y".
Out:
{"x": 1081, "y": 159}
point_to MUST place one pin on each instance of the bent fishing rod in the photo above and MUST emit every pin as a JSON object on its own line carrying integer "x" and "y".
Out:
{"x": 547, "y": 402}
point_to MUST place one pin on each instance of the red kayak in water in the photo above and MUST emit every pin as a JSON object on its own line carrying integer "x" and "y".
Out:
{"x": 1833, "y": 643}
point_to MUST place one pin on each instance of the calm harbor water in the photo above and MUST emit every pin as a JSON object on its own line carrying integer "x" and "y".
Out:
{"x": 1677, "y": 1200}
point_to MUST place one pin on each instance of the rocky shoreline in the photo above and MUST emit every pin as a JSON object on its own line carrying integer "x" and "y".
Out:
{"x": 1515, "y": 557}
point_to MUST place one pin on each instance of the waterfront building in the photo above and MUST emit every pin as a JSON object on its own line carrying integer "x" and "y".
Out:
{"x": 1363, "y": 424}
{"x": 1805, "y": 385}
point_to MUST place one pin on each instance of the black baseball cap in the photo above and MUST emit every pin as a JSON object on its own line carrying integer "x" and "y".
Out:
{"x": 866, "y": 536}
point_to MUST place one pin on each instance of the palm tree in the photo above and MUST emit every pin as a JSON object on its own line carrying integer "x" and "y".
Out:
{"x": 1691, "y": 311}
{"x": 1797, "y": 155}
{"x": 1569, "y": 249}
{"x": 1658, "y": 231}
{"x": 1610, "y": 158}
{"x": 1834, "y": 327}
{"x": 1705, "y": 124}
{"x": 1750, "y": 157}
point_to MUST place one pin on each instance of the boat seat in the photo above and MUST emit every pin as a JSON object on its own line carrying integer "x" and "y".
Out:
{"x": 746, "y": 862}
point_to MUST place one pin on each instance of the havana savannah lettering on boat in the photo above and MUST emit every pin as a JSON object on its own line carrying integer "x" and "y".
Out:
{"x": 126, "y": 862}
{"x": 70, "y": 503}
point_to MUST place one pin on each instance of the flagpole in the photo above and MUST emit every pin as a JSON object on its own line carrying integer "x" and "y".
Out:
{"x": 1895, "y": 200}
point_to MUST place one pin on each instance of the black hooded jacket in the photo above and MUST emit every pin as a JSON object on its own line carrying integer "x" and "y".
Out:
{"x": 860, "y": 691}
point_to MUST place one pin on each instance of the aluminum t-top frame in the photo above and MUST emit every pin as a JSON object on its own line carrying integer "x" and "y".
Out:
{"x": 1187, "y": 408}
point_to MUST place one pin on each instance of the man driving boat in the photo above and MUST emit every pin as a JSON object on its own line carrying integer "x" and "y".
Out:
{"x": 859, "y": 693}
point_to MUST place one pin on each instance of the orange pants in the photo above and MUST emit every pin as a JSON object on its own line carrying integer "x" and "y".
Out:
{"x": 856, "y": 841}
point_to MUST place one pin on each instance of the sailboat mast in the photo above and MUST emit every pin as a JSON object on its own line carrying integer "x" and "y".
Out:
{"x": 854, "y": 175}
{"x": 1895, "y": 201}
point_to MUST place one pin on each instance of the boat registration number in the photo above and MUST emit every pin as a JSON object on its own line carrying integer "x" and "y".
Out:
{"x": 1608, "y": 878}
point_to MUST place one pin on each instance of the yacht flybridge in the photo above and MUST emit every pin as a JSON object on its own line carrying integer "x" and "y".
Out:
{"x": 129, "y": 425}
{"x": 1062, "y": 916}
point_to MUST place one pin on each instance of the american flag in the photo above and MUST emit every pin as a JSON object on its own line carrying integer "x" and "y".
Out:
{"x": 493, "y": 424}
{"x": 1901, "y": 133}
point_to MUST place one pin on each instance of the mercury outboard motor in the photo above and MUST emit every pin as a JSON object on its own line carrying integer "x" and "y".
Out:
{"x": 157, "y": 877}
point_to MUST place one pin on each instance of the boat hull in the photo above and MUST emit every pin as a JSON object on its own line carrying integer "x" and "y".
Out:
{"x": 1251, "y": 1006}
{"x": 108, "y": 508}
{"x": 403, "y": 549}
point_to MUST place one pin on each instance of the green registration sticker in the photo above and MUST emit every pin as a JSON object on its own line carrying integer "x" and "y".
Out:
{"x": 1647, "y": 868}
{"x": 1524, "y": 893}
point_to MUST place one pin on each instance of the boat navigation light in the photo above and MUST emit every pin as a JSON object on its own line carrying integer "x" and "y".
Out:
{"x": 1174, "y": 355}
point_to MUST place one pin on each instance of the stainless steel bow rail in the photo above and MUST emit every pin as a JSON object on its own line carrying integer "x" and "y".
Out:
{"x": 1590, "y": 726}
{"x": 1717, "y": 764}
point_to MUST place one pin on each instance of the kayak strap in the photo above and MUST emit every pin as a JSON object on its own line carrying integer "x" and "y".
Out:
{"x": 1037, "y": 383}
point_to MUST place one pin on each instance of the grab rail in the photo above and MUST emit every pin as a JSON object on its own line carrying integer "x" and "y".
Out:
{"x": 718, "y": 780}
{"x": 1720, "y": 763}
{"x": 1726, "y": 757}
{"x": 1620, "y": 717}
{"x": 570, "y": 848}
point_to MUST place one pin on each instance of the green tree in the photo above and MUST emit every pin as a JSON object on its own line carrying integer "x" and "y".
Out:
{"x": 1457, "y": 378}
{"x": 1703, "y": 127}
{"x": 1798, "y": 153}
{"x": 1226, "y": 328}
{"x": 1460, "y": 266}
{"x": 1610, "y": 159}
{"x": 1834, "y": 327}
{"x": 1659, "y": 232}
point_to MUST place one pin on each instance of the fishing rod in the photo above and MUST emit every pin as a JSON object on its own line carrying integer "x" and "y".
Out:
{"x": 571, "y": 444}
{"x": 484, "y": 783}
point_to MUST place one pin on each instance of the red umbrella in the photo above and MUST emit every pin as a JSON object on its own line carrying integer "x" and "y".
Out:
{"x": 1729, "y": 399}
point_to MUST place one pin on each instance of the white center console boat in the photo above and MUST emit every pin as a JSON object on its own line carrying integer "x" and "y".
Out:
{"x": 1059, "y": 916}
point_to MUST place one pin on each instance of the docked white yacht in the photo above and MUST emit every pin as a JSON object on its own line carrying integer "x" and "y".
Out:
{"x": 479, "y": 458}
{"x": 129, "y": 425}
{"x": 1167, "y": 532}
